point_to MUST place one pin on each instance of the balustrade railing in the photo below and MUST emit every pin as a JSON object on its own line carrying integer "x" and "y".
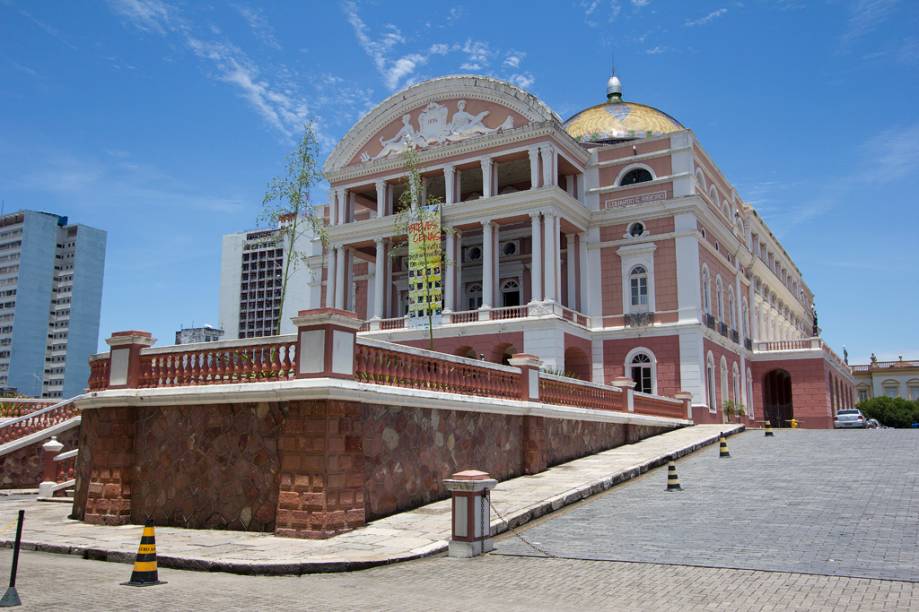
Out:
{"x": 65, "y": 465}
{"x": 257, "y": 361}
{"x": 465, "y": 316}
{"x": 14, "y": 407}
{"x": 37, "y": 420}
{"x": 419, "y": 369}
{"x": 565, "y": 391}
{"x": 508, "y": 312}
{"x": 99, "y": 372}
{"x": 654, "y": 405}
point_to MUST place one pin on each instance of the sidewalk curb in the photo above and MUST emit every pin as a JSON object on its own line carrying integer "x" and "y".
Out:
{"x": 267, "y": 568}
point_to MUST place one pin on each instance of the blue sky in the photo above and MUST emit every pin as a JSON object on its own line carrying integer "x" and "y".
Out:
{"x": 162, "y": 121}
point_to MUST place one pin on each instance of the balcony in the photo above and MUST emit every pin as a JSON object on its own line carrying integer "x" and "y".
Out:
{"x": 723, "y": 328}
{"x": 748, "y": 344}
{"x": 735, "y": 337}
{"x": 540, "y": 310}
{"x": 710, "y": 321}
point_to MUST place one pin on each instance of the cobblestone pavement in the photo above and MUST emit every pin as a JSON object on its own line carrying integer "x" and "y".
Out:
{"x": 61, "y": 582}
{"x": 842, "y": 503}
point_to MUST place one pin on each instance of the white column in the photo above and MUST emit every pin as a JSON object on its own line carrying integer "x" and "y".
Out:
{"x": 569, "y": 184}
{"x": 580, "y": 189}
{"x": 488, "y": 264}
{"x": 424, "y": 191}
{"x": 459, "y": 274}
{"x": 449, "y": 184}
{"x": 449, "y": 280}
{"x": 330, "y": 278}
{"x": 340, "y": 277}
{"x": 549, "y": 164}
{"x": 569, "y": 259}
{"x": 458, "y": 192}
{"x": 536, "y": 258}
{"x": 486, "y": 177}
{"x": 387, "y": 285}
{"x": 583, "y": 281}
{"x": 534, "y": 167}
{"x": 551, "y": 255}
{"x": 558, "y": 259}
{"x": 381, "y": 198}
{"x": 342, "y": 204}
{"x": 378, "y": 279}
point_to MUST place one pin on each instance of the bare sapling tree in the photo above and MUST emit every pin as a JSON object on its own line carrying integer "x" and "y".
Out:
{"x": 287, "y": 205}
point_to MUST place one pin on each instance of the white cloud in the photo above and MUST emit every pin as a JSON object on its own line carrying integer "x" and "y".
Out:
{"x": 259, "y": 25}
{"x": 275, "y": 100}
{"x": 393, "y": 71}
{"x": 656, "y": 50}
{"x": 641, "y": 3}
{"x": 689, "y": 23}
{"x": 865, "y": 16}
{"x": 891, "y": 155}
{"x": 147, "y": 15}
{"x": 524, "y": 80}
{"x": 513, "y": 59}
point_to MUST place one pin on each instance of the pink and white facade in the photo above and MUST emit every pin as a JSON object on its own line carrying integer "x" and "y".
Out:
{"x": 602, "y": 252}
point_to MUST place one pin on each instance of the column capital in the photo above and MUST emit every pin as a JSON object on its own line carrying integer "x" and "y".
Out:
{"x": 534, "y": 213}
{"x": 379, "y": 241}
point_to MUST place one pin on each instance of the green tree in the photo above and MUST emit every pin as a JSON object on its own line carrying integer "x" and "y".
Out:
{"x": 287, "y": 205}
{"x": 891, "y": 411}
{"x": 411, "y": 209}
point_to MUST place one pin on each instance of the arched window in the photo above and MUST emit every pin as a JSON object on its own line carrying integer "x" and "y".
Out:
{"x": 637, "y": 175}
{"x": 719, "y": 297}
{"x": 638, "y": 285}
{"x": 724, "y": 382}
{"x": 732, "y": 310}
{"x": 473, "y": 296}
{"x": 641, "y": 370}
{"x": 710, "y": 382}
{"x": 706, "y": 291}
{"x": 510, "y": 292}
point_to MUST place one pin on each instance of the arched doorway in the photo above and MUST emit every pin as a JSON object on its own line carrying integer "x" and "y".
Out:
{"x": 503, "y": 352}
{"x": 777, "y": 404}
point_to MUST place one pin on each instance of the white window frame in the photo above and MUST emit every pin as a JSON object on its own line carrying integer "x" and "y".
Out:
{"x": 641, "y": 350}
{"x": 750, "y": 394}
{"x": 719, "y": 297}
{"x": 725, "y": 385}
{"x": 706, "y": 290}
{"x": 710, "y": 383}
{"x": 636, "y": 280}
{"x": 631, "y": 256}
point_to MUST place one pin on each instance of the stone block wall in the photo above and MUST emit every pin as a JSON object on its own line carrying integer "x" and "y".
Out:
{"x": 309, "y": 469}
{"x": 22, "y": 469}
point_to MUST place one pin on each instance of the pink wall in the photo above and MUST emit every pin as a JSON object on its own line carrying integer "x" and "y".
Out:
{"x": 491, "y": 345}
{"x": 810, "y": 394}
{"x": 666, "y": 351}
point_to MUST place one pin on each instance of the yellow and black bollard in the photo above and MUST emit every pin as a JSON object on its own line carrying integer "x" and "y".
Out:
{"x": 723, "y": 447}
{"x": 673, "y": 480}
{"x": 145, "y": 572}
{"x": 769, "y": 433}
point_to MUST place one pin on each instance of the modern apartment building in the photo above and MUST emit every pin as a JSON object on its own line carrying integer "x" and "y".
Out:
{"x": 50, "y": 300}
{"x": 251, "y": 275}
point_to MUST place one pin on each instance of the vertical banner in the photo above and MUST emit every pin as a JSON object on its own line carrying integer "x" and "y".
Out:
{"x": 425, "y": 263}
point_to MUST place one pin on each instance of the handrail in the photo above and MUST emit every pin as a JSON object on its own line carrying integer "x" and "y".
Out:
{"x": 40, "y": 412}
{"x": 420, "y": 352}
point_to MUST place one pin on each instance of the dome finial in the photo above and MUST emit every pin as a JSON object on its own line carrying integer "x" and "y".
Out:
{"x": 613, "y": 85}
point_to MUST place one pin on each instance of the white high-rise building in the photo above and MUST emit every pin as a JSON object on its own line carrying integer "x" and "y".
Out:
{"x": 251, "y": 274}
{"x": 50, "y": 301}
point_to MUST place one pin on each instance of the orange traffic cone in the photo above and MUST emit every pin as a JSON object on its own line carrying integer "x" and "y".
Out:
{"x": 145, "y": 572}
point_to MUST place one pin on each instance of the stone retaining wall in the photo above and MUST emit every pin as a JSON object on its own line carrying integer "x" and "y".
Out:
{"x": 305, "y": 468}
{"x": 22, "y": 469}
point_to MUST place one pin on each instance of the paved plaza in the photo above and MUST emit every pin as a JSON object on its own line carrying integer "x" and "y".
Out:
{"x": 830, "y": 516}
{"x": 836, "y": 503}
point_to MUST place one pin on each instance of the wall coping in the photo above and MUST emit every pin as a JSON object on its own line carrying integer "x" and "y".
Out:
{"x": 220, "y": 344}
{"x": 348, "y": 390}
{"x": 678, "y": 402}
{"x": 578, "y": 381}
{"x": 39, "y": 436}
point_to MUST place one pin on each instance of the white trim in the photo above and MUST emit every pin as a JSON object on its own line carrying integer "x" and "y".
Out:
{"x": 641, "y": 350}
{"x": 634, "y": 166}
{"x": 346, "y": 390}
{"x": 630, "y": 256}
{"x": 42, "y": 435}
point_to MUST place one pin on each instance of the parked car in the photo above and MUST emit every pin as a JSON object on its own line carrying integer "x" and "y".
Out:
{"x": 850, "y": 418}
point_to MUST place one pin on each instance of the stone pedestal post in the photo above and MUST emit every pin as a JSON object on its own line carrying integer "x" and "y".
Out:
{"x": 325, "y": 343}
{"x": 124, "y": 369}
{"x": 627, "y": 385}
{"x": 471, "y": 513}
{"x": 49, "y": 450}
{"x": 529, "y": 378}
{"x": 686, "y": 396}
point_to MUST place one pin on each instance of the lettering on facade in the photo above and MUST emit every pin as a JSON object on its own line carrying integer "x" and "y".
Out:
{"x": 425, "y": 275}
{"x": 635, "y": 200}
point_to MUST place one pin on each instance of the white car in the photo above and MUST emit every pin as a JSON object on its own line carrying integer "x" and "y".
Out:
{"x": 850, "y": 418}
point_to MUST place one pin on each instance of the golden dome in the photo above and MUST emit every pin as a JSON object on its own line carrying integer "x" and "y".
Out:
{"x": 620, "y": 120}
